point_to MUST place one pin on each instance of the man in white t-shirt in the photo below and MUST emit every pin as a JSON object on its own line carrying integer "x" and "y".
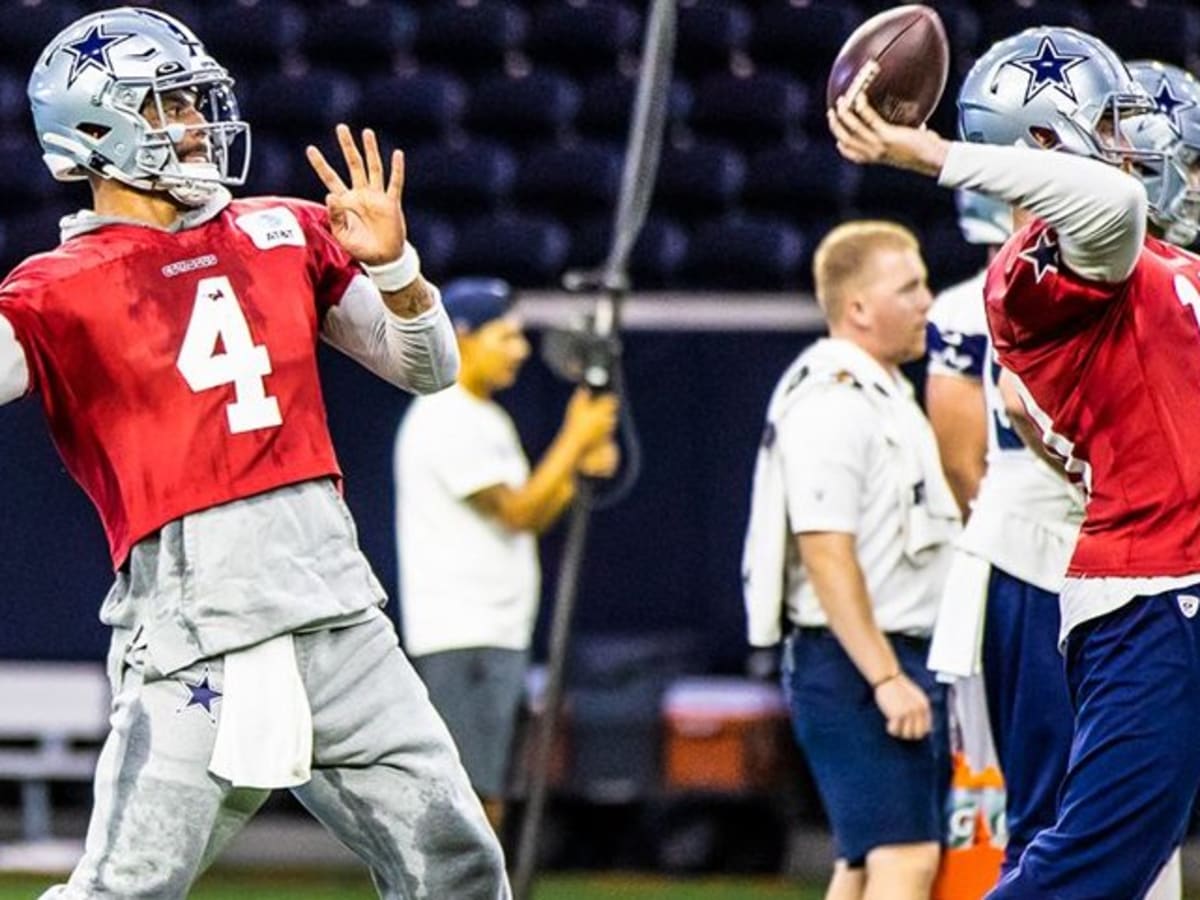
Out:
{"x": 468, "y": 513}
{"x": 850, "y": 531}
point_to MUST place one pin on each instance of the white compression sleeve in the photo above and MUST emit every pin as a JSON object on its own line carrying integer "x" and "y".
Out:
{"x": 418, "y": 354}
{"x": 1098, "y": 210}
{"x": 14, "y": 370}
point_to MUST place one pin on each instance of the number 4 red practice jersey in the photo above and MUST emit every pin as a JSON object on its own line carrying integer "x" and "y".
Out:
{"x": 178, "y": 370}
{"x": 1112, "y": 376}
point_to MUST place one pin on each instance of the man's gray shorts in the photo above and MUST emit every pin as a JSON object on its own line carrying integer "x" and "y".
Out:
{"x": 478, "y": 693}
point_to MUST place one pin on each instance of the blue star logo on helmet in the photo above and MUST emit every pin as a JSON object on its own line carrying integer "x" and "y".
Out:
{"x": 1048, "y": 68}
{"x": 1170, "y": 105}
{"x": 91, "y": 50}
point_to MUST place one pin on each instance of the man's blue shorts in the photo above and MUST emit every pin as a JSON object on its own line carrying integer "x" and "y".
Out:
{"x": 1134, "y": 678}
{"x": 877, "y": 790}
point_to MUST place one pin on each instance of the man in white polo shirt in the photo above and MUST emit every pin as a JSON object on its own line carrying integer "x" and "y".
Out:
{"x": 468, "y": 513}
{"x": 849, "y": 540}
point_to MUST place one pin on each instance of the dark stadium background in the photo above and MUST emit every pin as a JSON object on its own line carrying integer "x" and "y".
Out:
{"x": 534, "y": 93}
{"x": 513, "y": 116}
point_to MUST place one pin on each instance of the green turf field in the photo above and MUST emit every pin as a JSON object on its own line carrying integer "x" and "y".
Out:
{"x": 325, "y": 886}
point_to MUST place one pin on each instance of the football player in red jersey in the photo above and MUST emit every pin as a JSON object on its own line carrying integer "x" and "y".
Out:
{"x": 171, "y": 338}
{"x": 1098, "y": 322}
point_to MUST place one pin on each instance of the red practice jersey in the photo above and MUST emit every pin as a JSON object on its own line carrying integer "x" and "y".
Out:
{"x": 178, "y": 371}
{"x": 1114, "y": 373}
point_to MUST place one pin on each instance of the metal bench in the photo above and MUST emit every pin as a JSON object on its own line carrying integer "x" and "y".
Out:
{"x": 53, "y": 717}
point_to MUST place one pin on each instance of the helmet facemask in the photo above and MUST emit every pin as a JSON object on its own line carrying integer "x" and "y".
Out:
{"x": 1185, "y": 228}
{"x": 190, "y": 159}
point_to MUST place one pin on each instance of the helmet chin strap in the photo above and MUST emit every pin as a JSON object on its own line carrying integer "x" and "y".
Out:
{"x": 200, "y": 181}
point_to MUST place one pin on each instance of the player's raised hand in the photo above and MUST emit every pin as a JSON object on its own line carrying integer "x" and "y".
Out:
{"x": 366, "y": 216}
{"x": 864, "y": 136}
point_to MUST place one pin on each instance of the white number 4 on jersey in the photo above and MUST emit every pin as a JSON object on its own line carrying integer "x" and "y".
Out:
{"x": 217, "y": 316}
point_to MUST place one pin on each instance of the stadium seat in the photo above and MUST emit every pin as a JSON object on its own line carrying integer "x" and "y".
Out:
{"x": 607, "y": 106}
{"x": 24, "y": 178}
{"x": 1003, "y": 19}
{"x": 963, "y": 30}
{"x": 659, "y": 253}
{"x": 570, "y": 181}
{"x": 26, "y": 32}
{"x": 435, "y": 238}
{"x": 711, "y": 33}
{"x": 916, "y": 203}
{"x": 14, "y": 103}
{"x": 36, "y": 230}
{"x": 746, "y": 252}
{"x": 361, "y": 37}
{"x": 703, "y": 178}
{"x": 302, "y": 106}
{"x": 585, "y": 36}
{"x": 1145, "y": 29}
{"x": 948, "y": 257}
{"x": 422, "y": 105}
{"x": 752, "y": 111}
{"x": 803, "y": 183}
{"x": 802, "y": 38}
{"x": 537, "y": 106}
{"x": 252, "y": 37}
{"x": 882, "y": 187}
{"x": 455, "y": 179}
{"x": 278, "y": 167}
{"x": 657, "y": 257}
{"x": 471, "y": 37}
{"x": 528, "y": 251}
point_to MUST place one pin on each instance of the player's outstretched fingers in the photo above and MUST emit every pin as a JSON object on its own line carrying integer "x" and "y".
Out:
{"x": 374, "y": 161}
{"x": 354, "y": 160}
{"x": 329, "y": 177}
{"x": 396, "y": 179}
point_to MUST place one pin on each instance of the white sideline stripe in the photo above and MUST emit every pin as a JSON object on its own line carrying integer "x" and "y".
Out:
{"x": 680, "y": 311}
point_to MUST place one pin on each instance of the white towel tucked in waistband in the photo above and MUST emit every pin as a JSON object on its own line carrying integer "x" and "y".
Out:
{"x": 264, "y": 736}
{"x": 955, "y": 651}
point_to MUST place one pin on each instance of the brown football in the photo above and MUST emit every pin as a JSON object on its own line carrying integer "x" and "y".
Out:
{"x": 902, "y": 56}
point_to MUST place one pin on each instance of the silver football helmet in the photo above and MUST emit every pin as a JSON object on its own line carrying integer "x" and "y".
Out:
{"x": 983, "y": 219}
{"x": 1061, "y": 89}
{"x": 131, "y": 94}
{"x": 1176, "y": 93}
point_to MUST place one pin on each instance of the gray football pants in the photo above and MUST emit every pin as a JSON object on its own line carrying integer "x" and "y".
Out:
{"x": 386, "y": 778}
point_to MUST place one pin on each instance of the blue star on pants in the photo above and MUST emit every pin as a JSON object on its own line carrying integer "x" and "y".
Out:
{"x": 202, "y": 694}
